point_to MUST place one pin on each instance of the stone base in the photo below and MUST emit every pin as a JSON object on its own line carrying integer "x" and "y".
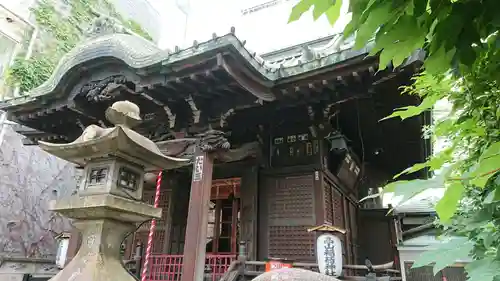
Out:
{"x": 99, "y": 256}
{"x": 293, "y": 274}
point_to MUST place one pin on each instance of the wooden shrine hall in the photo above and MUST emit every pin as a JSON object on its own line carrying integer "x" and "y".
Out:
{"x": 303, "y": 127}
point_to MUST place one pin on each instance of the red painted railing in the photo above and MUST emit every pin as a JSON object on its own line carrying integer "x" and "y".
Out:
{"x": 169, "y": 267}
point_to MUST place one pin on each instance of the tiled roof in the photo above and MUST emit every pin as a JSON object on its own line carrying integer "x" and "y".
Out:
{"x": 421, "y": 203}
{"x": 141, "y": 54}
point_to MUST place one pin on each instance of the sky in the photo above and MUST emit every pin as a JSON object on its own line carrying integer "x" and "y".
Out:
{"x": 264, "y": 31}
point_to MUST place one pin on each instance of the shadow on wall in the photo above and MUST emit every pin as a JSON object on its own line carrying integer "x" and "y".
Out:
{"x": 29, "y": 179}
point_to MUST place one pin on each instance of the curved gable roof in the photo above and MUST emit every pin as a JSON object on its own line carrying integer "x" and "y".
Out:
{"x": 140, "y": 54}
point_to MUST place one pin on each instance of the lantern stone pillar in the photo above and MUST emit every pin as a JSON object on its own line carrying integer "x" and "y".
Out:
{"x": 108, "y": 203}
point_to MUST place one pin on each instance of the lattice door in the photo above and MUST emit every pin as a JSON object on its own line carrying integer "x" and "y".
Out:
{"x": 141, "y": 236}
{"x": 290, "y": 213}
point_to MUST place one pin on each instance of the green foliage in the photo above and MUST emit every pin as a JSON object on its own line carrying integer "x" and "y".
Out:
{"x": 448, "y": 252}
{"x": 65, "y": 31}
{"x": 130, "y": 24}
{"x": 448, "y": 30}
{"x": 136, "y": 28}
{"x": 30, "y": 73}
{"x": 460, "y": 38}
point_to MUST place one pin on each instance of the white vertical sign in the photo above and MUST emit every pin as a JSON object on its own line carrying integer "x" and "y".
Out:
{"x": 198, "y": 168}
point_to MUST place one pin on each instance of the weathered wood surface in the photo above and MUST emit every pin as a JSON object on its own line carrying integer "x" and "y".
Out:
{"x": 185, "y": 147}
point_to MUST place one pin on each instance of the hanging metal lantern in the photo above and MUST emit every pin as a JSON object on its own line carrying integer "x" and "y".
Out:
{"x": 337, "y": 141}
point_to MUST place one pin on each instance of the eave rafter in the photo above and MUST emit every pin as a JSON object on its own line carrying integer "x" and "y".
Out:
{"x": 258, "y": 90}
{"x": 166, "y": 108}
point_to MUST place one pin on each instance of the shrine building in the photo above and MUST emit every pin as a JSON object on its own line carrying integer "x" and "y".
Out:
{"x": 304, "y": 127}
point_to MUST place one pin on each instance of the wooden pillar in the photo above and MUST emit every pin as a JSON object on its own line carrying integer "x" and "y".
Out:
{"x": 197, "y": 219}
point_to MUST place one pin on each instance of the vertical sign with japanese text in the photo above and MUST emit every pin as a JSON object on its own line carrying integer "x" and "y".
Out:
{"x": 198, "y": 168}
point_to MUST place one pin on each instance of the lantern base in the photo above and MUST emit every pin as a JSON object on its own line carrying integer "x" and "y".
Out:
{"x": 99, "y": 256}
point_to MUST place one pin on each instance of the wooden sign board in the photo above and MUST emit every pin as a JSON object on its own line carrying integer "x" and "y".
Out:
{"x": 274, "y": 265}
{"x": 198, "y": 168}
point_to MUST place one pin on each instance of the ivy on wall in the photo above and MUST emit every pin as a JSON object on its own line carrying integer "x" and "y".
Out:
{"x": 60, "y": 33}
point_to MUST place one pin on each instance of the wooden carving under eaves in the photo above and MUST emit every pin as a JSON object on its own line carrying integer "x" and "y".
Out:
{"x": 102, "y": 90}
{"x": 185, "y": 148}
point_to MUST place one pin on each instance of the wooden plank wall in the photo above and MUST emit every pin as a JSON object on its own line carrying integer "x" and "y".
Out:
{"x": 248, "y": 217}
{"x": 179, "y": 212}
{"x": 375, "y": 236}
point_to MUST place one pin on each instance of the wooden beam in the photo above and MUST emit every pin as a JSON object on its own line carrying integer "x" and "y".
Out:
{"x": 246, "y": 83}
{"x": 197, "y": 220}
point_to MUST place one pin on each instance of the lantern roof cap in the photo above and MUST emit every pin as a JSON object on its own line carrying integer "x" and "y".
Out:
{"x": 119, "y": 141}
{"x": 327, "y": 228}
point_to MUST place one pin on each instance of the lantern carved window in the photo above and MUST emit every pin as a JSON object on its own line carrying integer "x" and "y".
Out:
{"x": 128, "y": 179}
{"x": 98, "y": 175}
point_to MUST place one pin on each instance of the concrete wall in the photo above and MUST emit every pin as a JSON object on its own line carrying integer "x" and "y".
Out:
{"x": 29, "y": 179}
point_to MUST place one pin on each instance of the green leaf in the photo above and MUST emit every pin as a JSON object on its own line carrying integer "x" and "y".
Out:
{"x": 434, "y": 163}
{"x": 329, "y": 7}
{"x": 321, "y": 6}
{"x": 489, "y": 164}
{"x": 411, "y": 111}
{"x": 409, "y": 189}
{"x": 493, "y": 196}
{"x": 299, "y": 9}
{"x": 492, "y": 151}
{"x": 410, "y": 8}
{"x": 447, "y": 206}
{"x": 483, "y": 270}
{"x": 356, "y": 8}
{"x": 446, "y": 254}
{"x": 379, "y": 15}
{"x": 439, "y": 61}
{"x": 398, "y": 41}
{"x": 333, "y": 13}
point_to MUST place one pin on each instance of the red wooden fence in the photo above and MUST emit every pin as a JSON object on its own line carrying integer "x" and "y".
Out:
{"x": 169, "y": 267}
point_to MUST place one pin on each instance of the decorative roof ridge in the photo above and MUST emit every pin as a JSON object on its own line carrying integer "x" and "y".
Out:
{"x": 133, "y": 50}
{"x": 139, "y": 53}
{"x": 275, "y": 52}
{"x": 306, "y": 53}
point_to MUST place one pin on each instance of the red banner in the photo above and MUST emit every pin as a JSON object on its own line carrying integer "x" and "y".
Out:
{"x": 273, "y": 265}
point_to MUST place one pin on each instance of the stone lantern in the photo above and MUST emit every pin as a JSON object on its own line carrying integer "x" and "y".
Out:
{"x": 108, "y": 203}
